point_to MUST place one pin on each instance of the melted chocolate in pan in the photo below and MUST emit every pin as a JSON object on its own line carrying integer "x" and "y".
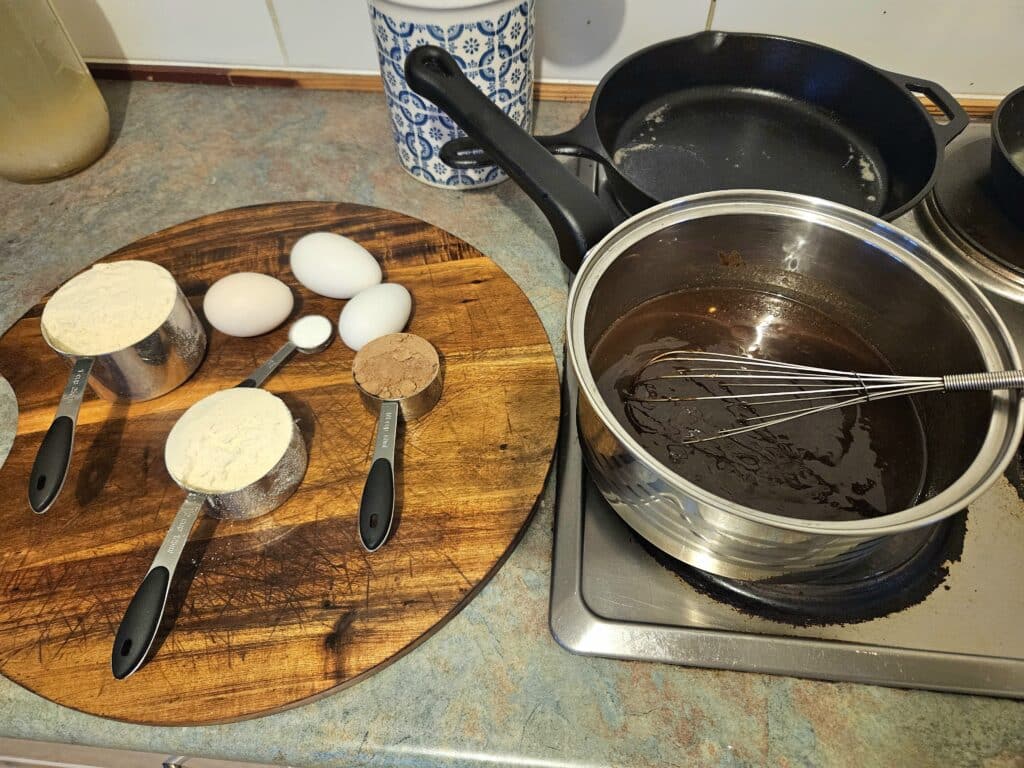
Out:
{"x": 852, "y": 463}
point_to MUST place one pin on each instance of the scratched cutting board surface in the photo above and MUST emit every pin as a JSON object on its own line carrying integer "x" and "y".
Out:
{"x": 267, "y": 613}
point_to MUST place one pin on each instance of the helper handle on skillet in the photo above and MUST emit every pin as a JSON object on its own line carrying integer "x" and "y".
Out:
{"x": 141, "y": 620}
{"x": 940, "y": 97}
{"x": 577, "y": 216}
{"x": 50, "y": 468}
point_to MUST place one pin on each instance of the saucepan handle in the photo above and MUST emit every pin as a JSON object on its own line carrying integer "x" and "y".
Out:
{"x": 577, "y": 216}
{"x": 943, "y": 99}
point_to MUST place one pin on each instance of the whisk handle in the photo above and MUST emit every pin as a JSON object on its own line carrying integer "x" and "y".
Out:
{"x": 962, "y": 382}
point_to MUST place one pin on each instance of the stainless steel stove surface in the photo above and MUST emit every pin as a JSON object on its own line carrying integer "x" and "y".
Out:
{"x": 612, "y": 597}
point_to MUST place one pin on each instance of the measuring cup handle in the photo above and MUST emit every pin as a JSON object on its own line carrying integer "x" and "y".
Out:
{"x": 377, "y": 505}
{"x": 51, "y": 464}
{"x": 141, "y": 620}
{"x": 50, "y": 468}
{"x": 138, "y": 626}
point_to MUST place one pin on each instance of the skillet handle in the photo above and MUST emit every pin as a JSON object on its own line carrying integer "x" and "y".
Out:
{"x": 577, "y": 216}
{"x": 465, "y": 153}
{"x": 943, "y": 99}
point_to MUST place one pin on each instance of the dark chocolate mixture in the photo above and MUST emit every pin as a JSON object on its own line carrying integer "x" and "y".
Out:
{"x": 850, "y": 463}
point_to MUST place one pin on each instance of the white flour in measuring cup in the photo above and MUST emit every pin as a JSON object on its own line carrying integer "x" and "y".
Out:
{"x": 109, "y": 307}
{"x": 228, "y": 440}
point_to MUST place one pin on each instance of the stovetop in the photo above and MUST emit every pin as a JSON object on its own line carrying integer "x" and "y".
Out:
{"x": 611, "y": 596}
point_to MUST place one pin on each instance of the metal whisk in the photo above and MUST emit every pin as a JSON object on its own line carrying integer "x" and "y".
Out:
{"x": 750, "y": 381}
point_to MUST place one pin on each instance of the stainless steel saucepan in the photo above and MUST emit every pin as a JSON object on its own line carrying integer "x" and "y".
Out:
{"x": 896, "y": 293}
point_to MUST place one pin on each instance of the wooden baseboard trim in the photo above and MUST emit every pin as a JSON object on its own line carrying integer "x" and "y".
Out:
{"x": 567, "y": 92}
{"x": 978, "y": 109}
{"x": 365, "y": 83}
{"x": 161, "y": 73}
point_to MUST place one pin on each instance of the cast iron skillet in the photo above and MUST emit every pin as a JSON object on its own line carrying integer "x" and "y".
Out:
{"x": 1007, "y": 165}
{"x": 720, "y": 110}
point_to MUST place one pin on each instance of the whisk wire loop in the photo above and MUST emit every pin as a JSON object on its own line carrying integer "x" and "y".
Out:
{"x": 752, "y": 381}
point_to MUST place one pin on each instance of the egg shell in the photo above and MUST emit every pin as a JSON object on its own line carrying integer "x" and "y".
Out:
{"x": 333, "y": 266}
{"x": 247, "y": 304}
{"x": 377, "y": 311}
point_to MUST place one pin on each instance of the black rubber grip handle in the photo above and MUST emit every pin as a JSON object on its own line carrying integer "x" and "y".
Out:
{"x": 377, "y": 505}
{"x": 51, "y": 465}
{"x": 576, "y": 215}
{"x": 140, "y": 622}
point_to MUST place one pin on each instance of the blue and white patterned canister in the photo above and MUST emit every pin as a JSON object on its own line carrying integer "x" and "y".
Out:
{"x": 493, "y": 43}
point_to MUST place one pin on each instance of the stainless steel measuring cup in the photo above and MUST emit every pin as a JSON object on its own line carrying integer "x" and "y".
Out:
{"x": 138, "y": 628}
{"x": 377, "y": 503}
{"x": 147, "y": 369}
{"x": 139, "y": 625}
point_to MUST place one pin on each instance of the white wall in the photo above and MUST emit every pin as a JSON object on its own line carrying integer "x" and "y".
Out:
{"x": 971, "y": 48}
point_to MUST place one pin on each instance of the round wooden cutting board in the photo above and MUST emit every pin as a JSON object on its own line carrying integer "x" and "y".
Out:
{"x": 267, "y": 613}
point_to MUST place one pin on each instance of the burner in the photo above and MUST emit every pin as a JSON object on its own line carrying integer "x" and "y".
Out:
{"x": 901, "y": 572}
{"x": 611, "y": 596}
{"x": 966, "y": 201}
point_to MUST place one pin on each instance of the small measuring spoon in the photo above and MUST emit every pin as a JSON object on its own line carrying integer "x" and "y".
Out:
{"x": 398, "y": 374}
{"x": 309, "y": 335}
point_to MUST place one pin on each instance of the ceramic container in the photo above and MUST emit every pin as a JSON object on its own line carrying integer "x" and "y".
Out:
{"x": 492, "y": 43}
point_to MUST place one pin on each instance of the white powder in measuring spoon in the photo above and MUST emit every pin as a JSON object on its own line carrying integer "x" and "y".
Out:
{"x": 310, "y": 332}
{"x": 228, "y": 440}
{"x": 109, "y": 307}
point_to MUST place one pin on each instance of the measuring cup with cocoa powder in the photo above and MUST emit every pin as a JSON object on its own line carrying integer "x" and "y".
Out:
{"x": 399, "y": 374}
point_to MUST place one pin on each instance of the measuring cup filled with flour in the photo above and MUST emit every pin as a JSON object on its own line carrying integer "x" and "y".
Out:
{"x": 239, "y": 453}
{"x": 129, "y": 332}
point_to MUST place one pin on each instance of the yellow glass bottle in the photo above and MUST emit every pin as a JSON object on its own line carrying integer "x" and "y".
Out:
{"x": 53, "y": 120}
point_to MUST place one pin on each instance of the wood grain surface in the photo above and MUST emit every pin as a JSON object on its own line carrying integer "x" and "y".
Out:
{"x": 265, "y": 614}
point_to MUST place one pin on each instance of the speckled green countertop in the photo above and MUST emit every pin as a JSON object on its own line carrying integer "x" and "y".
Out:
{"x": 491, "y": 687}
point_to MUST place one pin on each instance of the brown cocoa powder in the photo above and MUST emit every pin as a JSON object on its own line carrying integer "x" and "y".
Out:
{"x": 396, "y": 366}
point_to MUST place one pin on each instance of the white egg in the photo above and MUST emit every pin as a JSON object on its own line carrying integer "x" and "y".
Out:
{"x": 247, "y": 304}
{"x": 377, "y": 311}
{"x": 333, "y": 266}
